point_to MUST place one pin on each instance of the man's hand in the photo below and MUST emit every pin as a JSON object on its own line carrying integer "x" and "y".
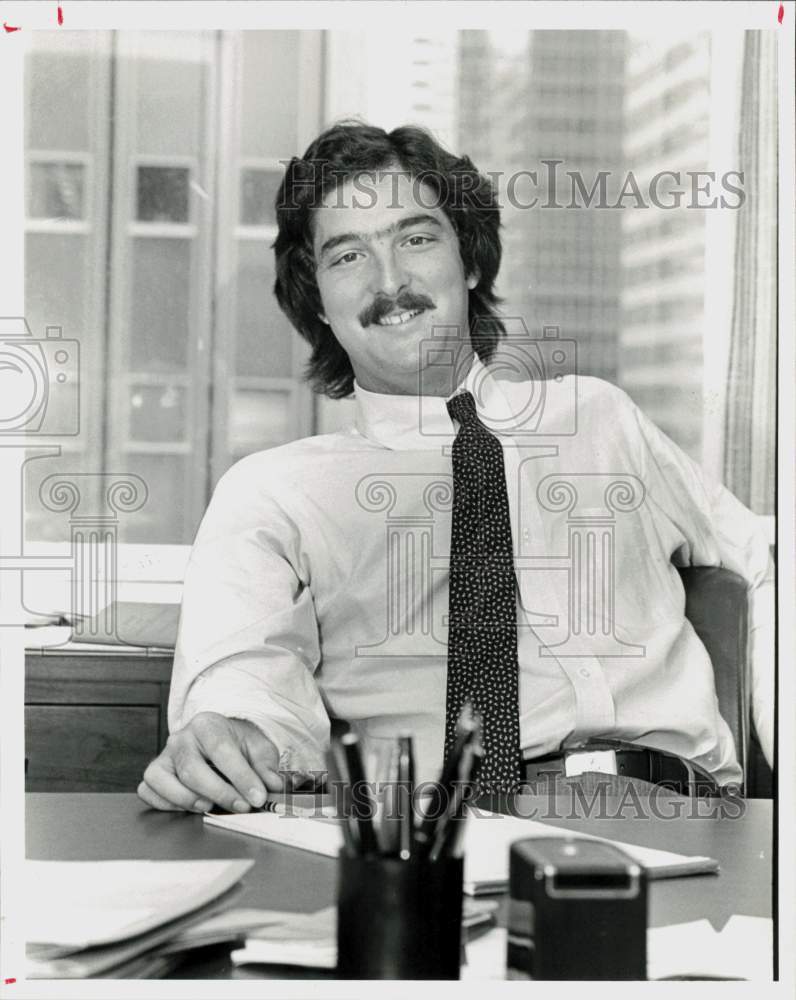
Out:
{"x": 213, "y": 760}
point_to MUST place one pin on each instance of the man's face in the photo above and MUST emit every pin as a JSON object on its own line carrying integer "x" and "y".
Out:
{"x": 389, "y": 271}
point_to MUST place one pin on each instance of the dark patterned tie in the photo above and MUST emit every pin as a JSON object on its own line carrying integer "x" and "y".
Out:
{"x": 482, "y": 634}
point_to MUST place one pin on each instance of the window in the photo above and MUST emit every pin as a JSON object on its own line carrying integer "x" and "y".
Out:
{"x": 150, "y": 206}
{"x": 153, "y": 161}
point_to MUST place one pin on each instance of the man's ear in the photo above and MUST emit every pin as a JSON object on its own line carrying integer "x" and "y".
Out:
{"x": 473, "y": 279}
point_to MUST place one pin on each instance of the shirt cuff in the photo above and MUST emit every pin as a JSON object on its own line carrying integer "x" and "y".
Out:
{"x": 302, "y": 755}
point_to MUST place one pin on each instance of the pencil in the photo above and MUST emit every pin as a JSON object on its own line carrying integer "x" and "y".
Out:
{"x": 290, "y": 810}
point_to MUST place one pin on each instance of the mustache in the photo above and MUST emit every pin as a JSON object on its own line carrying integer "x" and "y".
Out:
{"x": 383, "y": 305}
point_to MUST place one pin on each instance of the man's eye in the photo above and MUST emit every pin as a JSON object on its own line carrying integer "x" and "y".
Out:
{"x": 347, "y": 258}
{"x": 419, "y": 241}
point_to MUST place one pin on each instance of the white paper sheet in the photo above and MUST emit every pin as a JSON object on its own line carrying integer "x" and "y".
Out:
{"x": 486, "y": 844}
{"x": 85, "y": 903}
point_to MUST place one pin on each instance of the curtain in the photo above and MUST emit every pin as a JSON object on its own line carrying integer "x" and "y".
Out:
{"x": 749, "y": 449}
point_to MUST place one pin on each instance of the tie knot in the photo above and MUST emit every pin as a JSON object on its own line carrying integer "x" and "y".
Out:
{"x": 462, "y": 408}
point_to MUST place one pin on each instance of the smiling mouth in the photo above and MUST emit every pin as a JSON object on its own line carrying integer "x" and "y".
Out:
{"x": 398, "y": 319}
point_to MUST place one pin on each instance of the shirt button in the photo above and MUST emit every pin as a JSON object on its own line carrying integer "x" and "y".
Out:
{"x": 584, "y": 672}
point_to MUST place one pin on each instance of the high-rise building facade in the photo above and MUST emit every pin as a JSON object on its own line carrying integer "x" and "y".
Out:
{"x": 667, "y": 124}
{"x": 549, "y": 106}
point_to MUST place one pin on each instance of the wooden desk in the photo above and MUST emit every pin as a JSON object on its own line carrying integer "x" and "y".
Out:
{"x": 94, "y": 827}
{"x": 93, "y": 720}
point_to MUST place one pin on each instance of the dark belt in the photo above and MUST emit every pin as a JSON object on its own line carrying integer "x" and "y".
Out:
{"x": 627, "y": 759}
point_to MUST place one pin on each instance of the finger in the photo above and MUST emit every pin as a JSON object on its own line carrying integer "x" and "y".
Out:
{"x": 230, "y": 760}
{"x": 197, "y": 776}
{"x": 264, "y": 758}
{"x": 161, "y": 780}
{"x": 156, "y": 801}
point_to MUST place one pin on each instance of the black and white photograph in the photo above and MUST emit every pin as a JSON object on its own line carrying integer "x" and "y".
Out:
{"x": 396, "y": 497}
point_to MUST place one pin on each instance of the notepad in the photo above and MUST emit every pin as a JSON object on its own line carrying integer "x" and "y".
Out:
{"x": 486, "y": 844}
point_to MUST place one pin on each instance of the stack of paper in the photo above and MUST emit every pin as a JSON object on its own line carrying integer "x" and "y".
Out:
{"x": 306, "y": 939}
{"x": 310, "y": 939}
{"x": 138, "y": 624}
{"x": 91, "y": 918}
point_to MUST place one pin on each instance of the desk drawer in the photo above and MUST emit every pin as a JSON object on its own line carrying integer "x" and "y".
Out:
{"x": 93, "y": 748}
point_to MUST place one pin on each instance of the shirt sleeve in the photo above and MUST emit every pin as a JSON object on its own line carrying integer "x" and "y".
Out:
{"x": 717, "y": 530}
{"x": 248, "y": 644}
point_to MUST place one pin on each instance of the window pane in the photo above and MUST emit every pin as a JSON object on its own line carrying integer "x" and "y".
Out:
{"x": 258, "y": 190}
{"x": 264, "y": 338}
{"x": 163, "y": 516}
{"x": 257, "y": 420}
{"x": 269, "y": 111}
{"x": 58, "y": 105}
{"x": 56, "y": 191}
{"x": 158, "y": 412}
{"x": 55, "y": 283}
{"x": 170, "y": 95}
{"x": 159, "y": 304}
{"x": 163, "y": 194}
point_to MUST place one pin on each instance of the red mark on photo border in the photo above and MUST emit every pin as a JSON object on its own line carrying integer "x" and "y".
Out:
{"x": 60, "y": 15}
{"x": 781, "y": 12}
{"x": 8, "y": 28}
{"x": 7, "y": 981}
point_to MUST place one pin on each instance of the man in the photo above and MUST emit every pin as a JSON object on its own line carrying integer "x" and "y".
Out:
{"x": 333, "y": 577}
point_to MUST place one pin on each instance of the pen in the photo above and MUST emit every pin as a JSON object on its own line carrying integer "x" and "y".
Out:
{"x": 362, "y": 804}
{"x": 442, "y": 791}
{"x": 406, "y": 785}
{"x": 338, "y": 774}
{"x": 390, "y": 814}
{"x": 450, "y": 832}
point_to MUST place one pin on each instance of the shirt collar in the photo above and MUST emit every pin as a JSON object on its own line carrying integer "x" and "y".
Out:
{"x": 410, "y": 423}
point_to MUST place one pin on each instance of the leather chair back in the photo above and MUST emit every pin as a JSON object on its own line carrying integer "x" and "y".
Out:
{"x": 717, "y": 605}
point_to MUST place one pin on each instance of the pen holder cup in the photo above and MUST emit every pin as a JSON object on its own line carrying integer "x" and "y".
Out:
{"x": 399, "y": 919}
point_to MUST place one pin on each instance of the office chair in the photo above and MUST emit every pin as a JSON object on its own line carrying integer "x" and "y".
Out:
{"x": 717, "y": 605}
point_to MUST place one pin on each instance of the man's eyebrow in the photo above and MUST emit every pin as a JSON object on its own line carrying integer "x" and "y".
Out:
{"x": 412, "y": 220}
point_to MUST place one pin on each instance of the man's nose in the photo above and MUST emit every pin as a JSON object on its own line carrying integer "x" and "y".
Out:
{"x": 390, "y": 274}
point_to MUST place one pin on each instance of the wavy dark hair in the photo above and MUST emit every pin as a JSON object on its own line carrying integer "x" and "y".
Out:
{"x": 341, "y": 152}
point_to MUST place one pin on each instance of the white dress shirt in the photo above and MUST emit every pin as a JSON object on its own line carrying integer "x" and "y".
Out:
{"x": 317, "y": 586}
